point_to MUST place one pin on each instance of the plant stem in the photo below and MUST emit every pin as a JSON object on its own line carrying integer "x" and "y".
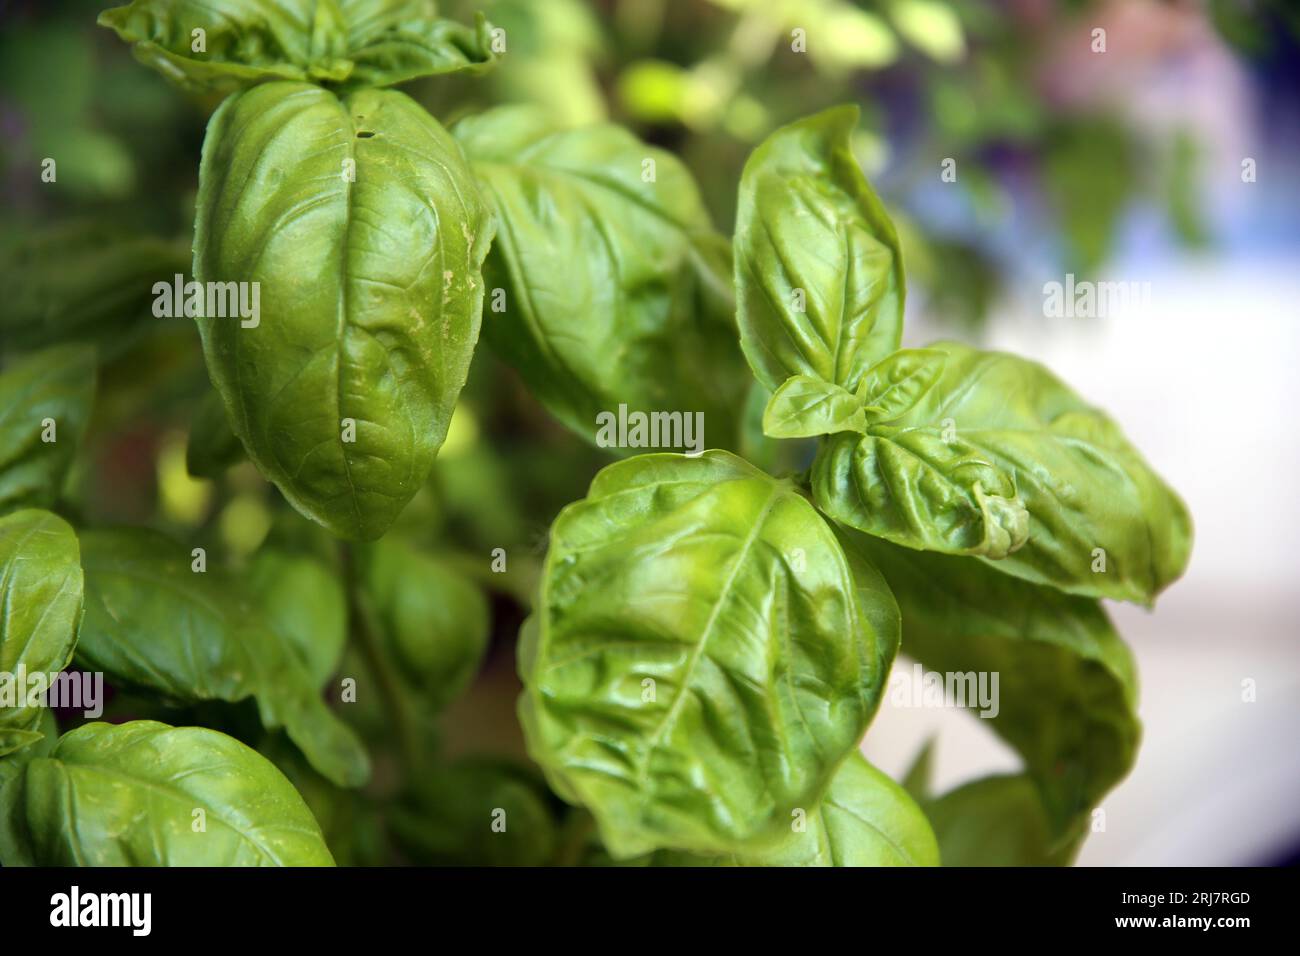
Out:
{"x": 362, "y": 629}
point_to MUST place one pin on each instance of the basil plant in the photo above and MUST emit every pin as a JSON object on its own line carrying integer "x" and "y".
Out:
{"x": 713, "y": 626}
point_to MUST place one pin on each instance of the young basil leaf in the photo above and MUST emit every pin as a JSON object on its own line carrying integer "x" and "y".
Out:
{"x": 996, "y": 821}
{"x": 1066, "y": 697}
{"x": 303, "y": 602}
{"x": 400, "y": 45}
{"x": 212, "y": 446}
{"x": 434, "y": 620}
{"x": 153, "y": 623}
{"x": 229, "y": 44}
{"x": 703, "y": 659}
{"x": 476, "y": 813}
{"x": 897, "y": 382}
{"x": 370, "y": 291}
{"x": 43, "y": 735}
{"x": 40, "y": 607}
{"x": 999, "y": 451}
{"x": 819, "y": 270}
{"x": 82, "y": 281}
{"x": 805, "y": 407}
{"x": 45, "y": 401}
{"x": 609, "y": 285}
{"x": 865, "y": 819}
{"x": 133, "y": 794}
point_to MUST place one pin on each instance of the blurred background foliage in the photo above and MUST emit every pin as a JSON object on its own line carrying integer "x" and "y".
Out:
{"x": 1044, "y": 167}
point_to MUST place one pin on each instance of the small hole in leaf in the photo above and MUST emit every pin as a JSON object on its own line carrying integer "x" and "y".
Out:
{"x": 365, "y": 133}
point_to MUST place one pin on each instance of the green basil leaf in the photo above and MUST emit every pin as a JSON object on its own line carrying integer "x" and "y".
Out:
{"x": 386, "y": 50}
{"x": 212, "y": 446}
{"x": 995, "y": 821}
{"x": 897, "y": 382}
{"x": 352, "y": 43}
{"x": 819, "y": 270}
{"x": 370, "y": 292}
{"x": 476, "y": 813}
{"x": 865, "y": 819}
{"x": 129, "y": 795}
{"x": 350, "y": 821}
{"x": 805, "y": 407}
{"x": 83, "y": 281}
{"x": 434, "y": 620}
{"x": 1066, "y": 697}
{"x": 153, "y": 623}
{"x": 42, "y": 737}
{"x": 40, "y": 608}
{"x": 45, "y": 401}
{"x": 998, "y": 457}
{"x": 241, "y": 42}
{"x": 703, "y": 659}
{"x": 302, "y": 601}
{"x": 614, "y": 288}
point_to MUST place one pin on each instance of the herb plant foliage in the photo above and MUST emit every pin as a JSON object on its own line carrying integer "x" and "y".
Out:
{"x": 707, "y": 642}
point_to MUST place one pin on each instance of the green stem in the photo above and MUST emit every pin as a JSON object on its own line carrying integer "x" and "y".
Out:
{"x": 364, "y": 631}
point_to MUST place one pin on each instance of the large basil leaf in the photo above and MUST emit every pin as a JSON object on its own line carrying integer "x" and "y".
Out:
{"x": 40, "y": 608}
{"x": 865, "y": 819}
{"x": 1001, "y": 460}
{"x": 434, "y": 620}
{"x": 127, "y": 795}
{"x": 153, "y": 623}
{"x": 346, "y": 42}
{"x": 616, "y": 289}
{"x": 703, "y": 659}
{"x": 302, "y": 601}
{"x": 370, "y": 292}
{"x": 55, "y": 385}
{"x": 1067, "y": 690}
{"x": 819, "y": 271}
{"x": 89, "y": 281}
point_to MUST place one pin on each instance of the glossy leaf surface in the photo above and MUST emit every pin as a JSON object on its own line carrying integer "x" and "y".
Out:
{"x": 352, "y": 43}
{"x": 865, "y": 819}
{"x": 370, "y": 291}
{"x": 1002, "y": 461}
{"x": 819, "y": 271}
{"x": 614, "y": 286}
{"x": 704, "y": 659}
{"x": 805, "y": 407}
{"x": 129, "y": 795}
{"x": 41, "y": 591}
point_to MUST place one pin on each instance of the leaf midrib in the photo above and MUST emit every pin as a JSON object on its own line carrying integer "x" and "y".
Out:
{"x": 671, "y": 716}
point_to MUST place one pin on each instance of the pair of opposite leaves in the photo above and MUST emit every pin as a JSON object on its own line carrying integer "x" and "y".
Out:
{"x": 367, "y": 232}
{"x": 763, "y": 633}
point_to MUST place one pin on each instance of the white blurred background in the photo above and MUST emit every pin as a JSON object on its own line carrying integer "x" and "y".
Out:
{"x": 1204, "y": 380}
